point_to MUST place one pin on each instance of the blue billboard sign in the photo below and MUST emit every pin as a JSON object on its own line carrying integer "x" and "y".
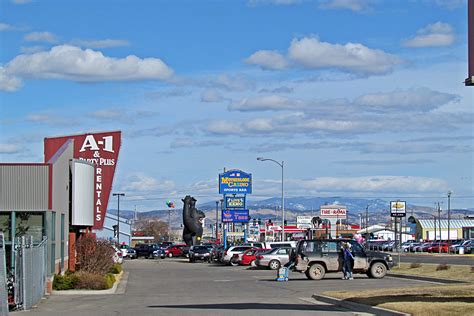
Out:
{"x": 235, "y": 202}
{"x": 235, "y": 182}
{"x": 235, "y": 216}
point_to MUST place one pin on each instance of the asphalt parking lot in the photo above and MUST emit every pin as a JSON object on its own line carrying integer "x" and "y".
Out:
{"x": 177, "y": 287}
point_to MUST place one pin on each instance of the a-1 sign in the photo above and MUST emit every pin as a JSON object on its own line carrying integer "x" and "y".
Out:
{"x": 398, "y": 209}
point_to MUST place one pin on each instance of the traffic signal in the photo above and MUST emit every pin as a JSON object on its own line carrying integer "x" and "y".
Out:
{"x": 115, "y": 227}
{"x": 285, "y": 222}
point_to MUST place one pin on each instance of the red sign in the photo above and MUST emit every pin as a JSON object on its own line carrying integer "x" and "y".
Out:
{"x": 101, "y": 149}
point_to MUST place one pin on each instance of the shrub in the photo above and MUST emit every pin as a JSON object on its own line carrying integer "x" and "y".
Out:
{"x": 116, "y": 268}
{"x": 91, "y": 281}
{"x": 94, "y": 256}
{"x": 415, "y": 265}
{"x": 65, "y": 282}
{"x": 443, "y": 266}
{"x": 109, "y": 280}
{"x": 472, "y": 269}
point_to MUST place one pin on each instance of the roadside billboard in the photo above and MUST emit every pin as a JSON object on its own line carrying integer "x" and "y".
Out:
{"x": 333, "y": 211}
{"x": 235, "y": 216}
{"x": 101, "y": 149}
{"x": 303, "y": 222}
{"x": 235, "y": 182}
{"x": 398, "y": 209}
{"x": 235, "y": 202}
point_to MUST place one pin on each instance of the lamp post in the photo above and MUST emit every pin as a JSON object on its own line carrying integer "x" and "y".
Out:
{"x": 217, "y": 220}
{"x": 282, "y": 195}
{"x": 118, "y": 195}
{"x": 367, "y": 223}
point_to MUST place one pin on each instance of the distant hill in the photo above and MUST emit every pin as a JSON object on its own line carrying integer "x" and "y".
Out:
{"x": 378, "y": 210}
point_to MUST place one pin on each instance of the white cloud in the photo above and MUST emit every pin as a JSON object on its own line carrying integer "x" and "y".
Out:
{"x": 372, "y": 184}
{"x": 353, "y": 5}
{"x": 8, "y": 83}
{"x": 6, "y": 27}
{"x": 21, "y": 1}
{"x": 268, "y": 60}
{"x": 140, "y": 182}
{"x": 232, "y": 83}
{"x": 211, "y": 95}
{"x": 106, "y": 43}
{"x": 437, "y": 34}
{"x": 267, "y": 103}
{"x": 73, "y": 63}
{"x": 51, "y": 119}
{"x": 122, "y": 115}
{"x": 10, "y": 148}
{"x": 41, "y": 37}
{"x": 416, "y": 99}
{"x": 310, "y": 52}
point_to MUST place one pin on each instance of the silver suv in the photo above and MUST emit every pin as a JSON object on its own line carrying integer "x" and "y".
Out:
{"x": 316, "y": 257}
{"x": 274, "y": 258}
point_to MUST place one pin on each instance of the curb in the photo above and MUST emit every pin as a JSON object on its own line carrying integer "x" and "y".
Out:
{"x": 428, "y": 279}
{"x": 357, "y": 307}
{"x": 122, "y": 278}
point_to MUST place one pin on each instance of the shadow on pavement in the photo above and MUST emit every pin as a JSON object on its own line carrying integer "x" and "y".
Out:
{"x": 377, "y": 300}
{"x": 251, "y": 306}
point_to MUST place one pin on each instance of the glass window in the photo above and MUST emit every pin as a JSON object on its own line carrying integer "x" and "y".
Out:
{"x": 329, "y": 246}
{"x": 5, "y": 225}
{"x": 356, "y": 247}
{"x": 30, "y": 224}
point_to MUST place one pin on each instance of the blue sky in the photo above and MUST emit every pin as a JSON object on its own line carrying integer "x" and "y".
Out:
{"x": 359, "y": 98}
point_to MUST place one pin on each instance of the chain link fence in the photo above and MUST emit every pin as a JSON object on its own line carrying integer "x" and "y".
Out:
{"x": 3, "y": 278}
{"x": 30, "y": 271}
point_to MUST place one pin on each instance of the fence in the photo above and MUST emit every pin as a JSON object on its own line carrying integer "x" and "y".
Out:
{"x": 30, "y": 271}
{"x": 3, "y": 279}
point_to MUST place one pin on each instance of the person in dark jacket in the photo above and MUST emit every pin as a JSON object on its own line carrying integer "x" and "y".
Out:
{"x": 348, "y": 259}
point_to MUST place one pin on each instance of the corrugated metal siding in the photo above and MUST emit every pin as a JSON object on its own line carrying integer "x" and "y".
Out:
{"x": 24, "y": 187}
{"x": 454, "y": 223}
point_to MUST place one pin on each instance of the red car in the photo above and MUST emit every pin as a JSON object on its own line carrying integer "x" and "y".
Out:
{"x": 174, "y": 250}
{"x": 249, "y": 256}
{"x": 435, "y": 247}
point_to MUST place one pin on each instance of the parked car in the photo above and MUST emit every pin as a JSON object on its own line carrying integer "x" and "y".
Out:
{"x": 131, "y": 253}
{"x": 455, "y": 244}
{"x": 229, "y": 253}
{"x": 175, "y": 250}
{"x": 466, "y": 244}
{"x": 249, "y": 256}
{"x": 274, "y": 258}
{"x": 159, "y": 253}
{"x": 199, "y": 253}
{"x": 317, "y": 257}
{"x": 146, "y": 250}
{"x": 437, "y": 247}
{"x": 117, "y": 256}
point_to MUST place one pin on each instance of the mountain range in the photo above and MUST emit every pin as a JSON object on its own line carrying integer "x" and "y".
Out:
{"x": 378, "y": 210}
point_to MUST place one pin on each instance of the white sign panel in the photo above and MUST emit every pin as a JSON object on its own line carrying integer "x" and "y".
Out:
{"x": 303, "y": 219}
{"x": 398, "y": 208}
{"x": 83, "y": 174}
{"x": 333, "y": 211}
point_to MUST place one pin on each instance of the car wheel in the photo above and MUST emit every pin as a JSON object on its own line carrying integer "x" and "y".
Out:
{"x": 315, "y": 272}
{"x": 162, "y": 257}
{"x": 233, "y": 262}
{"x": 170, "y": 255}
{"x": 274, "y": 264}
{"x": 378, "y": 270}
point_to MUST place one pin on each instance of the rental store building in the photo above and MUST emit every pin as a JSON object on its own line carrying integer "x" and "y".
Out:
{"x": 60, "y": 199}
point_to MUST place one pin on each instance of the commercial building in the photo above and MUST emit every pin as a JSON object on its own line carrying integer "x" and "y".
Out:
{"x": 435, "y": 229}
{"x": 109, "y": 231}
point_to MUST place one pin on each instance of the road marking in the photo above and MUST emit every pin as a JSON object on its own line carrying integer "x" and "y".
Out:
{"x": 223, "y": 280}
{"x": 312, "y": 301}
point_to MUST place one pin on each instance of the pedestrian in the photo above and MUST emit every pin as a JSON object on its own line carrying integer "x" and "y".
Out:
{"x": 348, "y": 259}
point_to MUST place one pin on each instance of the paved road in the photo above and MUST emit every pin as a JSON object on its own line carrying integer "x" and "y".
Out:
{"x": 436, "y": 258}
{"x": 176, "y": 287}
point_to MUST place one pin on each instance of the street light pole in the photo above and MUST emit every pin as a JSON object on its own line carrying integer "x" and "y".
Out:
{"x": 367, "y": 223}
{"x": 118, "y": 195}
{"x": 282, "y": 164}
{"x": 217, "y": 220}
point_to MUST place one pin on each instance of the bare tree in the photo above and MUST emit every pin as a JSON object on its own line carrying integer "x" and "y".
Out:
{"x": 156, "y": 228}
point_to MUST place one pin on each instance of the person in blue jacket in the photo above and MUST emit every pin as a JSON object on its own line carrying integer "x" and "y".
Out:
{"x": 348, "y": 258}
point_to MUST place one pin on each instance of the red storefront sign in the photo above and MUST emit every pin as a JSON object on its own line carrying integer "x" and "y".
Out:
{"x": 102, "y": 149}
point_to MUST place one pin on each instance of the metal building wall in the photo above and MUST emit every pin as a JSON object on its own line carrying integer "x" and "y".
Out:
{"x": 24, "y": 187}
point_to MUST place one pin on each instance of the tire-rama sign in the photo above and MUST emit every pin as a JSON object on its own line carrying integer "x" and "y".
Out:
{"x": 235, "y": 182}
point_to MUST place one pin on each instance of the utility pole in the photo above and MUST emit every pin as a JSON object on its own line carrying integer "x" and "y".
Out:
{"x": 449, "y": 220}
{"x": 367, "y": 223}
{"x": 169, "y": 224}
{"x": 439, "y": 225}
{"x": 217, "y": 220}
